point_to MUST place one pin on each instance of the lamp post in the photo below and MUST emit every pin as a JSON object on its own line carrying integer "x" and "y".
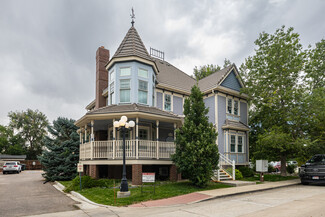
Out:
{"x": 123, "y": 125}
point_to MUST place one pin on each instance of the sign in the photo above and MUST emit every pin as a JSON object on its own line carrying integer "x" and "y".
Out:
{"x": 261, "y": 165}
{"x": 80, "y": 168}
{"x": 148, "y": 177}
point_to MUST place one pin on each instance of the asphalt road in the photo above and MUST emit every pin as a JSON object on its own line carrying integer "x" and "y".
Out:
{"x": 25, "y": 194}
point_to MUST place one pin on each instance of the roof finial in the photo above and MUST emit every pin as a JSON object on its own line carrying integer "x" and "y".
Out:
{"x": 132, "y": 17}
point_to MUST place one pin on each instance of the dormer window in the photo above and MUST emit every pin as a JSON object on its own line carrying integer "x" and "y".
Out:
{"x": 125, "y": 71}
{"x": 142, "y": 73}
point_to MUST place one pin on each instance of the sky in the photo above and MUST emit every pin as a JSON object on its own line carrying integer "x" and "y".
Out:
{"x": 48, "y": 48}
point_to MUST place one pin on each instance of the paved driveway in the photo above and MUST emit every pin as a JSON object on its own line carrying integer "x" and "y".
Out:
{"x": 25, "y": 194}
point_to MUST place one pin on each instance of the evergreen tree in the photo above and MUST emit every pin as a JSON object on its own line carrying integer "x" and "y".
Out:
{"x": 196, "y": 150}
{"x": 62, "y": 151}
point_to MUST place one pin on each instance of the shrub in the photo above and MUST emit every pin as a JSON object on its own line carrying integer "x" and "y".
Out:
{"x": 238, "y": 175}
{"x": 291, "y": 168}
{"x": 246, "y": 171}
{"x": 271, "y": 169}
{"x": 88, "y": 182}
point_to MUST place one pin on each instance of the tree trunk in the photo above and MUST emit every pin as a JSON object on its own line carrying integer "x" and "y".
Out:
{"x": 283, "y": 165}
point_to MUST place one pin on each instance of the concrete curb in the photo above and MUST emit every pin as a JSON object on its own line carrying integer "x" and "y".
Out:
{"x": 245, "y": 192}
{"x": 73, "y": 194}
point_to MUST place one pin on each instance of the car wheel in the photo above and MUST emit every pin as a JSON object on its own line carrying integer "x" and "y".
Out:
{"x": 304, "y": 183}
{"x": 3, "y": 173}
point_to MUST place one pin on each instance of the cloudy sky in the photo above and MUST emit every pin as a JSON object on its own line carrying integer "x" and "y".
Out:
{"x": 47, "y": 48}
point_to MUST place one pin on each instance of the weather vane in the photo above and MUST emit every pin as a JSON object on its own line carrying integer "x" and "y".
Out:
{"x": 132, "y": 17}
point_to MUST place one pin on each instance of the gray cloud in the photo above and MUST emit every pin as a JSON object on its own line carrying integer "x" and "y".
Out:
{"x": 47, "y": 48}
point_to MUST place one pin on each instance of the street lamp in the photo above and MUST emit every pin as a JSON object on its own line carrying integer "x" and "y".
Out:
{"x": 123, "y": 125}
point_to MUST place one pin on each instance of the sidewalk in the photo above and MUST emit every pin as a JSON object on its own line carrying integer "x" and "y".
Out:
{"x": 216, "y": 193}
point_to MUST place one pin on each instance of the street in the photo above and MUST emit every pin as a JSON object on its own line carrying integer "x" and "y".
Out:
{"x": 25, "y": 194}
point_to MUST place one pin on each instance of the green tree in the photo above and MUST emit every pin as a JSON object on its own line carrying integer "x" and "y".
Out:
{"x": 10, "y": 143}
{"x": 61, "y": 155}
{"x": 196, "y": 151}
{"x": 208, "y": 69}
{"x": 31, "y": 126}
{"x": 277, "y": 144}
{"x": 272, "y": 78}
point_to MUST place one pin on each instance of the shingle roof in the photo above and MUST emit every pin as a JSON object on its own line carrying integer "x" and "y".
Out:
{"x": 173, "y": 77}
{"x": 132, "y": 45}
{"x": 212, "y": 80}
{"x": 132, "y": 108}
{"x": 235, "y": 125}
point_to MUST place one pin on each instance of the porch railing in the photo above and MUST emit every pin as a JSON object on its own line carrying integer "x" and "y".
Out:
{"x": 145, "y": 149}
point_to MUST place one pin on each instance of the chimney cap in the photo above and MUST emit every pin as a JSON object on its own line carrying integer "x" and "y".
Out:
{"x": 102, "y": 47}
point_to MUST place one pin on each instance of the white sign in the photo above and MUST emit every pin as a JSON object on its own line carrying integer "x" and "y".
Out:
{"x": 80, "y": 168}
{"x": 261, "y": 165}
{"x": 148, "y": 177}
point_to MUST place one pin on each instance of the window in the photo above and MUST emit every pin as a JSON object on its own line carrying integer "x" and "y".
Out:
{"x": 125, "y": 71}
{"x": 240, "y": 144}
{"x": 112, "y": 76}
{"x": 124, "y": 91}
{"x": 229, "y": 106}
{"x": 232, "y": 143}
{"x": 168, "y": 102}
{"x": 153, "y": 95}
{"x": 143, "y": 134}
{"x": 143, "y": 92}
{"x": 111, "y": 101}
{"x": 127, "y": 135}
{"x": 143, "y": 73}
{"x": 235, "y": 107}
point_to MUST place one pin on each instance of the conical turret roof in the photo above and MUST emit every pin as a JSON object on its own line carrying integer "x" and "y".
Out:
{"x": 132, "y": 45}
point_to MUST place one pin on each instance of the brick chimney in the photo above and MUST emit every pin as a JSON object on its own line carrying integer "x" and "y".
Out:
{"x": 102, "y": 58}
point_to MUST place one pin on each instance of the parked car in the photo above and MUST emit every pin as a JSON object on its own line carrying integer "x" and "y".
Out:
{"x": 11, "y": 167}
{"x": 314, "y": 170}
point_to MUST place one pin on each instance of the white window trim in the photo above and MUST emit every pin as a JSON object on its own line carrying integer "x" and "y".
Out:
{"x": 171, "y": 102}
{"x": 233, "y": 99}
{"x": 124, "y": 89}
{"x": 110, "y": 77}
{"x": 143, "y": 91}
{"x": 236, "y": 142}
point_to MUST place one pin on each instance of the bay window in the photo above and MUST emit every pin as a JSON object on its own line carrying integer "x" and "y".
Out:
{"x": 125, "y": 90}
{"x": 143, "y": 92}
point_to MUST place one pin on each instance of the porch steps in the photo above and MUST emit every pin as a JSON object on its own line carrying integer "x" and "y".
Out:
{"x": 224, "y": 176}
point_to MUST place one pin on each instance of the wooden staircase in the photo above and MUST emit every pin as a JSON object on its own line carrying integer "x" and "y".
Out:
{"x": 223, "y": 175}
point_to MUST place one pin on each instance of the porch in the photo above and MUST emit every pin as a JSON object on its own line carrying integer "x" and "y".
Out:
{"x": 134, "y": 149}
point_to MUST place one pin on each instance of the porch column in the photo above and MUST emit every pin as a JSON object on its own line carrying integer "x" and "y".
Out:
{"x": 114, "y": 139}
{"x": 174, "y": 132}
{"x": 85, "y": 138}
{"x": 80, "y": 144}
{"x": 137, "y": 138}
{"x": 157, "y": 137}
{"x": 92, "y": 139}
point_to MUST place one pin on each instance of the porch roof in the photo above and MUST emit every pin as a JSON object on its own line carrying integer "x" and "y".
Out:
{"x": 235, "y": 125}
{"x": 129, "y": 110}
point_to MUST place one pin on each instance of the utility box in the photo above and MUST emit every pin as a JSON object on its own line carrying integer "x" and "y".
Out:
{"x": 262, "y": 166}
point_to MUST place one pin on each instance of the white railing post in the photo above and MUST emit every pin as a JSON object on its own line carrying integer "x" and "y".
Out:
{"x": 114, "y": 139}
{"x": 233, "y": 170}
{"x": 157, "y": 137}
{"x": 92, "y": 139}
{"x": 137, "y": 138}
{"x": 218, "y": 173}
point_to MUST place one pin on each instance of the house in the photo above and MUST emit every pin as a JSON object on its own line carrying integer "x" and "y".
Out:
{"x": 151, "y": 92}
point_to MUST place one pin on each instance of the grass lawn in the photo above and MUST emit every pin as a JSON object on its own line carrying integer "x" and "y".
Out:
{"x": 270, "y": 178}
{"x": 162, "y": 190}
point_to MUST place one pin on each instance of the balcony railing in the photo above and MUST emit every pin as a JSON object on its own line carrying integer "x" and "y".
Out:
{"x": 134, "y": 149}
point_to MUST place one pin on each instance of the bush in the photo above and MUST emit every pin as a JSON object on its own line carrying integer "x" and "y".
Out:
{"x": 271, "y": 169}
{"x": 291, "y": 168}
{"x": 238, "y": 175}
{"x": 88, "y": 182}
{"x": 246, "y": 171}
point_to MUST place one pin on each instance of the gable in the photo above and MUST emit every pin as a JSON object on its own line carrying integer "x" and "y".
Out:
{"x": 231, "y": 82}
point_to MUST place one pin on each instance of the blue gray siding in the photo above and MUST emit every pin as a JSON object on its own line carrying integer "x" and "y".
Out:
{"x": 243, "y": 112}
{"x": 178, "y": 105}
{"x": 221, "y": 121}
{"x": 231, "y": 82}
{"x": 210, "y": 103}
{"x": 159, "y": 100}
